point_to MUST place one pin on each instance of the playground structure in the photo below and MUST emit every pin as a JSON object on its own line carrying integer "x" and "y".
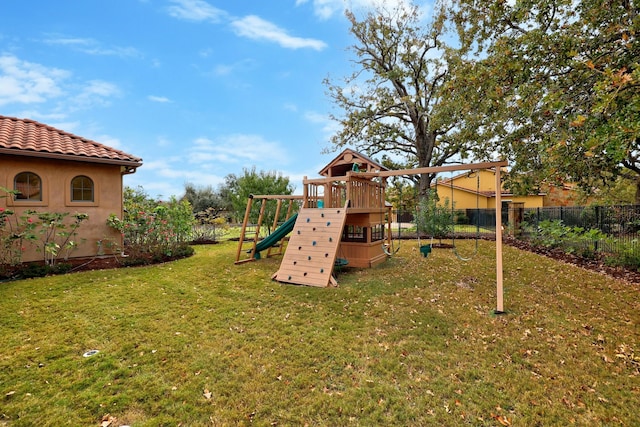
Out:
{"x": 344, "y": 219}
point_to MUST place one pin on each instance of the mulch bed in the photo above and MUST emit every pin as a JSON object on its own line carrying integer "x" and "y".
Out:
{"x": 597, "y": 264}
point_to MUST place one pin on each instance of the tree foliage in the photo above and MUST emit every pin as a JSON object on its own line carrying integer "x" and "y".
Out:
{"x": 557, "y": 86}
{"x": 396, "y": 102}
{"x": 205, "y": 201}
{"x": 237, "y": 190}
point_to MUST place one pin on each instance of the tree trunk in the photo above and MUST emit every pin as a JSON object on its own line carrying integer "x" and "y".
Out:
{"x": 425, "y": 143}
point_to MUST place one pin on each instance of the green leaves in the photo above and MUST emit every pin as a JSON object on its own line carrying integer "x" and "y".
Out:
{"x": 400, "y": 101}
{"x": 565, "y": 72}
{"x": 152, "y": 228}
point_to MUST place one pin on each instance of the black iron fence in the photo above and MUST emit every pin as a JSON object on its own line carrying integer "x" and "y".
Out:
{"x": 615, "y": 221}
{"x": 610, "y": 231}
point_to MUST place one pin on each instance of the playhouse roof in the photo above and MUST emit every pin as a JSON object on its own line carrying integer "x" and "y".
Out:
{"x": 25, "y": 137}
{"x": 344, "y": 162}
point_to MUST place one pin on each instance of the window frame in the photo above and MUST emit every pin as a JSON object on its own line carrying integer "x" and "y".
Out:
{"x": 44, "y": 194}
{"x": 355, "y": 233}
{"x": 69, "y": 201}
{"x": 82, "y": 189}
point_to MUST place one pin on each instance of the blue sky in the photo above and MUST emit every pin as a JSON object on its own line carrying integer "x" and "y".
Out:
{"x": 198, "y": 89}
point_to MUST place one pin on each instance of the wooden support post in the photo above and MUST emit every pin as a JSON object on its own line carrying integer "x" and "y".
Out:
{"x": 275, "y": 223}
{"x": 305, "y": 193}
{"x": 499, "y": 287}
{"x": 243, "y": 230}
{"x": 263, "y": 206}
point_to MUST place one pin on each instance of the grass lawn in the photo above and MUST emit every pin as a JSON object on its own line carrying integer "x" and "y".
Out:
{"x": 202, "y": 342}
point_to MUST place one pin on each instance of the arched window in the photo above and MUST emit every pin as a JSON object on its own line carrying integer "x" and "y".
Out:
{"x": 81, "y": 189}
{"x": 28, "y": 185}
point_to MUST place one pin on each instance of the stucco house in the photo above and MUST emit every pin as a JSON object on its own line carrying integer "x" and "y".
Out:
{"x": 55, "y": 171}
{"x": 478, "y": 189}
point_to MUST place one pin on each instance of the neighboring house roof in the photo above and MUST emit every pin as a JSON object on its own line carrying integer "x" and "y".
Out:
{"x": 25, "y": 137}
{"x": 449, "y": 182}
{"x": 344, "y": 161}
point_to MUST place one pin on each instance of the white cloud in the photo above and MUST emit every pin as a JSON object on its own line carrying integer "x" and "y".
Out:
{"x": 94, "y": 92}
{"x": 91, "y": 46}
{"x": 23, "y": 82}
{"x": 164, "y": 142}
{"x": 329, "y": 127}
{"x": 236, "y": 67}
{"x": 160, "y": 99}
{"x": 250, "y": 26}
{"x": 195, "y": 10}
{"x": 163, "y": 177}
{"x": 223, "y": 70}
{"x": 238, "y": 149}
{"x": 256, "y": 28}
{"x": 26, "y": 83}
{"x": 289, "y": 106}
{"x": 325, "y": 9}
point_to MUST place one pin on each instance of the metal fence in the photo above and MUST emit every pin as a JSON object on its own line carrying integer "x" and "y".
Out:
{"x": 618, "y": 226}
{"x": 615, "y": 221}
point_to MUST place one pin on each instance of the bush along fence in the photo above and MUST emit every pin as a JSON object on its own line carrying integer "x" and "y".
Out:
{"x": 611, "y": 233}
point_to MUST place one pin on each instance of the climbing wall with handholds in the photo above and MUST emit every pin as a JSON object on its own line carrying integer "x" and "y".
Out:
{"x": 313, "y": 248}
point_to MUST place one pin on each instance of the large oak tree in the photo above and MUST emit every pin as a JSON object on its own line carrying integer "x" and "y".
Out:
{"x": 396, "y": 103}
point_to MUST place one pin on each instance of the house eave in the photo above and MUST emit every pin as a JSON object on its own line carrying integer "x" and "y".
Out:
{"x": 130, "y": 165}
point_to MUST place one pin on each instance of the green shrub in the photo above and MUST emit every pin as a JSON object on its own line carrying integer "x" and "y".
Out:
{"x": 52, "y": 233}
{"x": 434, "y": 220}
{"x": 628, "y": 257}
{"x": 574, "y": 240}
{"x": 153, "y": 230}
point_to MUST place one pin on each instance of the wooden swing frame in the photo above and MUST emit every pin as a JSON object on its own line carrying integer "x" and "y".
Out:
{"x": 462, "y": 167}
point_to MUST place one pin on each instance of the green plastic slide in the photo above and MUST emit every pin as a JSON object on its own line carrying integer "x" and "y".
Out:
{"x": 277, "y": 235}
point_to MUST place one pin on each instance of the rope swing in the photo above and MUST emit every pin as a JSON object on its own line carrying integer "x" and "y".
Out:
{"x": 453, "y": 232}
{"x": 391, "y": 249}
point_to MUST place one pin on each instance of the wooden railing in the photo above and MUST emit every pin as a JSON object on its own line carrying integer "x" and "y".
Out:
{"x": 362, "y": 193}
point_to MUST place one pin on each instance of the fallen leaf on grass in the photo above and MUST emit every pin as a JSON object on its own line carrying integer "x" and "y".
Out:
{"x": 502, "y": 420}
{"x": 207, "y": 394}
{"x": 108, "y": 421}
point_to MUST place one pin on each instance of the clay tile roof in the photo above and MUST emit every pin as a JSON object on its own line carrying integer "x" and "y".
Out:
{"x": 29, "y": 138}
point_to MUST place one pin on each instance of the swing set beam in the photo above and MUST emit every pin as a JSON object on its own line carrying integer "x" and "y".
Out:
{"x": 471, "y": 166}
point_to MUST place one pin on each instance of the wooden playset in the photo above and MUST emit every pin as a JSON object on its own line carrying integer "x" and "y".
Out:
{"x": 343, "y": 219}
